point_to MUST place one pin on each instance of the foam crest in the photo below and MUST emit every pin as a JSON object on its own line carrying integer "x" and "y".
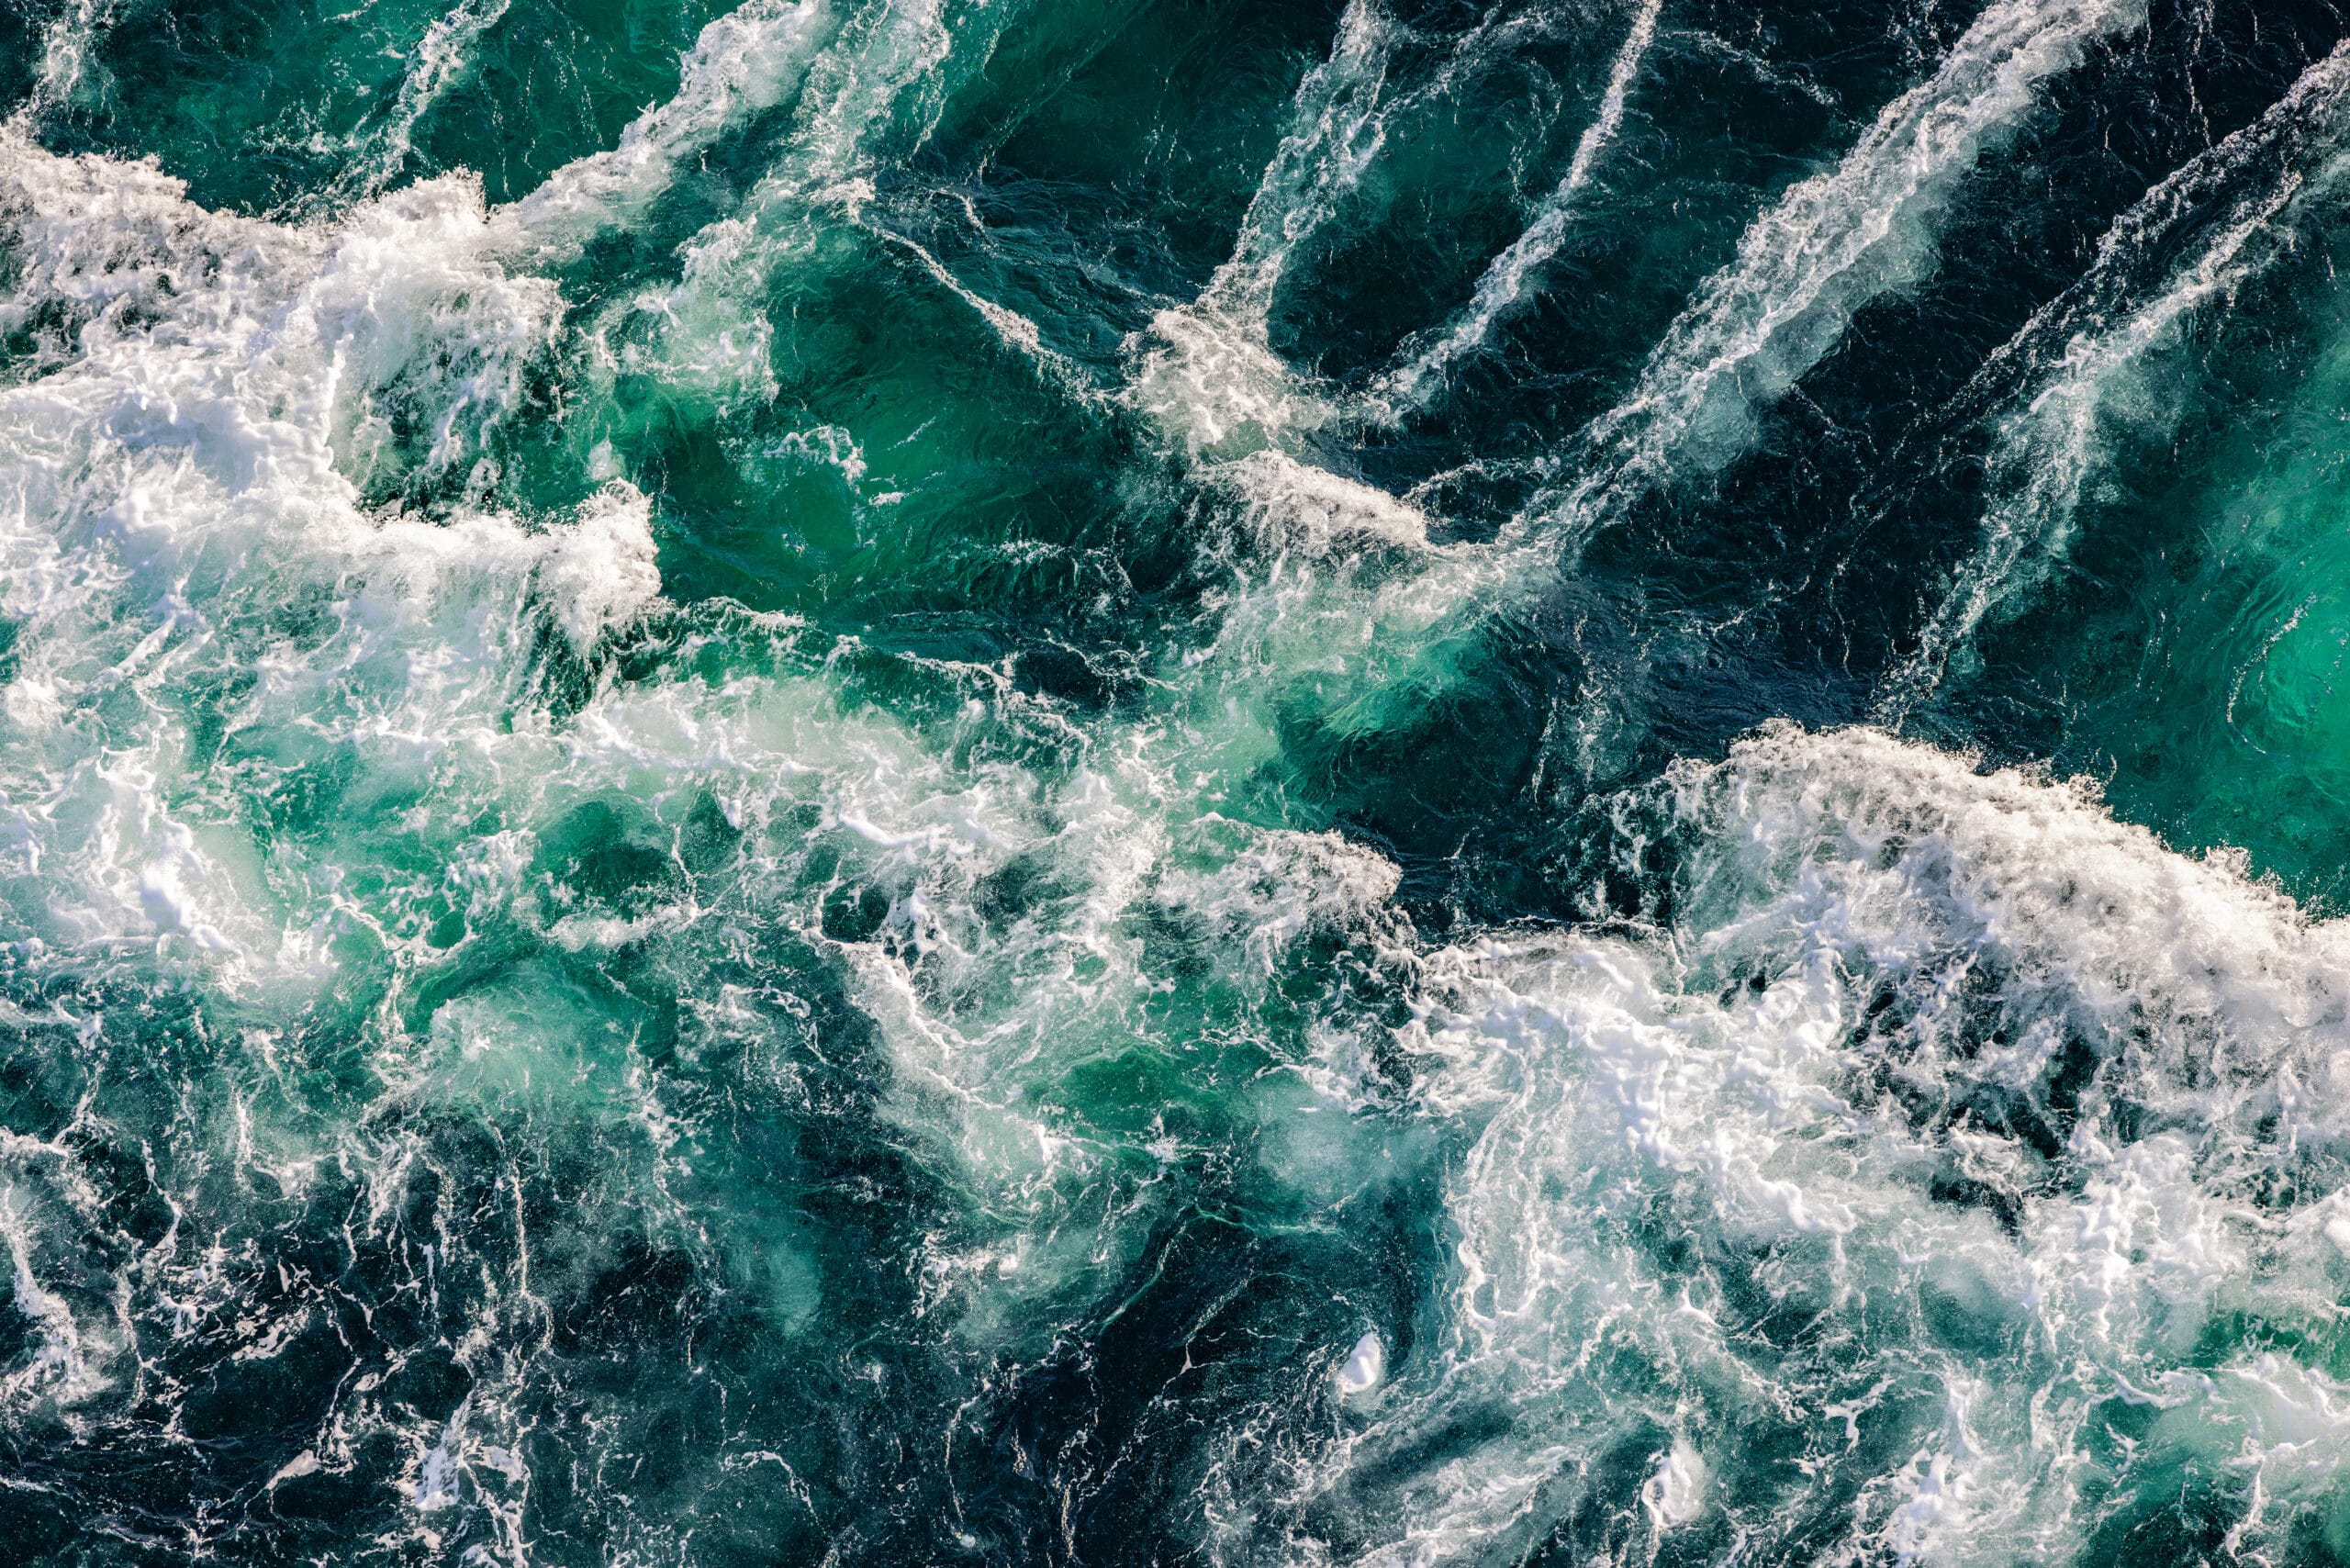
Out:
{"x": 65, "y": 64}
{"x": 871, "y": 94}
{"x": 215, "y": 398}
{"x": 744, "y": 64}
{"x": 1213, "y": 379}
{"x": 440, "y": 61}
{"x": 1954, "y": 1066}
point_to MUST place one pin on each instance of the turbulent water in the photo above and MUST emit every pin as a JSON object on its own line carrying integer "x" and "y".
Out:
{"x": 1174, "y": 782}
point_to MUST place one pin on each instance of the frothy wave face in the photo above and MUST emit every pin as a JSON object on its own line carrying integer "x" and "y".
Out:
{"x": 922, "y": 780}
{"x": 1925, "y": 1139}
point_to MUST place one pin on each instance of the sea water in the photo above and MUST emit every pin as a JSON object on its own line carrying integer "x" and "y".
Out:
{"x": 1174, "y": 782}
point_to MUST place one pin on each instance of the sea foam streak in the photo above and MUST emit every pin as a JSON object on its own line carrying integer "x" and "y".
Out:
{"x": 2247, "y": 198}
{"x": 1829, "y": 246}
{"x": 746, "y": 62}
{"x": 1504, "y": 281}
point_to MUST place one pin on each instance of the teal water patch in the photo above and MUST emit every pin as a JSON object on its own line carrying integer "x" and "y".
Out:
{"x": 922, "y": 781}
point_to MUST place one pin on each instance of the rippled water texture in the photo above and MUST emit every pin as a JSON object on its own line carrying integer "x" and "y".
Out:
{"x": 1174, "y": 782}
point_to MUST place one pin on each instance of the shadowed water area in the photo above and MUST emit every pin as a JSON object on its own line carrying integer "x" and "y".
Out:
{"x": 1174, "y": 782}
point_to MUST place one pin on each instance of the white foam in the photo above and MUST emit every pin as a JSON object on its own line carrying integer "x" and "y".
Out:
{"x": 2045, "y": 450}
{"x": 1207, "y": 373}
{"x": 199, "y": 443}
{"x": 1504, "y": 282}
{"x": 1829, "y": 246}
{"x": 600, "y": 572}
{"x": 61, "y": 1371}
{"x": 65, "y": 48}
{"x": 743, "y": 64}
{"x": 874, "y": 87}
{"x": 1676, "y": 1494}
{"x": 440, "y": 61}
{"x": 1720, "y": 1074}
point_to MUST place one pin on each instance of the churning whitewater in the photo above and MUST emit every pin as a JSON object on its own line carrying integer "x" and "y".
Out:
{"x": 1174, "y": 782}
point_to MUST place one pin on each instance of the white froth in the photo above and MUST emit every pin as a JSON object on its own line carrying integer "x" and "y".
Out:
{"x": 1505, "y": 280}
{"x": 600, "y": 572}
{"x": 1721, "y": 1074}
{"x": 1676, "y": 1494}
{"x": 1829, "y": 246}
{"x": 744, "y": 63}
{"x": 2051, "y": 445}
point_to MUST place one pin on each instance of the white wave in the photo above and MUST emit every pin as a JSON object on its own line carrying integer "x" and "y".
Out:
{"x": 187, "y": 469}
{"x": 2045, "y": 452}
{"x": 440, "y": 59}
{"x": 874, "y": 92}
{"x": 202, "y": 432}
{"x": 600, "y": 572}
{"x": 66, "y": 44}
{"x": 1213, "y": 379}
{"x": 1675, "y": 1494}
{"x": 62, "y": 1371}
{"x": 1503, "y": 283}
{"x": 1294, "y": 505}
{"x": 1879, "y": 967}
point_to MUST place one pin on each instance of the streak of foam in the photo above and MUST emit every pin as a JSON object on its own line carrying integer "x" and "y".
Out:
{"x": 1213, "y": 380}
{"x": 441, "y": 60}
{"x": 872, "y": 93}
{"x": 66, "y": 47}
{"x": 2045, "y": 452}
{"x": 743, "y": 64}
{"x": 1503, "y": 283}
{"x": 1830, "y": 246}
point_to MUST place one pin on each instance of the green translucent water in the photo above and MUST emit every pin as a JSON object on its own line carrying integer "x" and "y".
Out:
{"x": 879, "y": 781}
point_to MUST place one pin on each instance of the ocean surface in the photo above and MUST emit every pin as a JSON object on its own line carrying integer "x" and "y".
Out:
{"x": 1378, "y": 782}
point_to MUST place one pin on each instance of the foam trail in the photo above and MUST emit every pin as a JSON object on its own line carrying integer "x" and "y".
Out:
{"x": 1831, "y": 245}
{"x": 2045, "y": 452}
{"x": 875, "y": 91}
{"x": 1213, "y": 380}
{"x": 440, "y": 59}
{"x": 66, "y": 47}
{"x": 1504, "y": 282}
{"x": 743, "y": 64}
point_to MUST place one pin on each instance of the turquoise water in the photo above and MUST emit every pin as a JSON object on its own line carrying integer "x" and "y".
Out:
{"x": 1174, "y": 782}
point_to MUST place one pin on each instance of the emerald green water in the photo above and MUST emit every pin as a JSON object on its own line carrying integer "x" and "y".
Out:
{"x": 883, "y": 781}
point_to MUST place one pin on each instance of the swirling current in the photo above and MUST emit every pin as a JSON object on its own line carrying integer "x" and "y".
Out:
{"x": 1174, "y": 782}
